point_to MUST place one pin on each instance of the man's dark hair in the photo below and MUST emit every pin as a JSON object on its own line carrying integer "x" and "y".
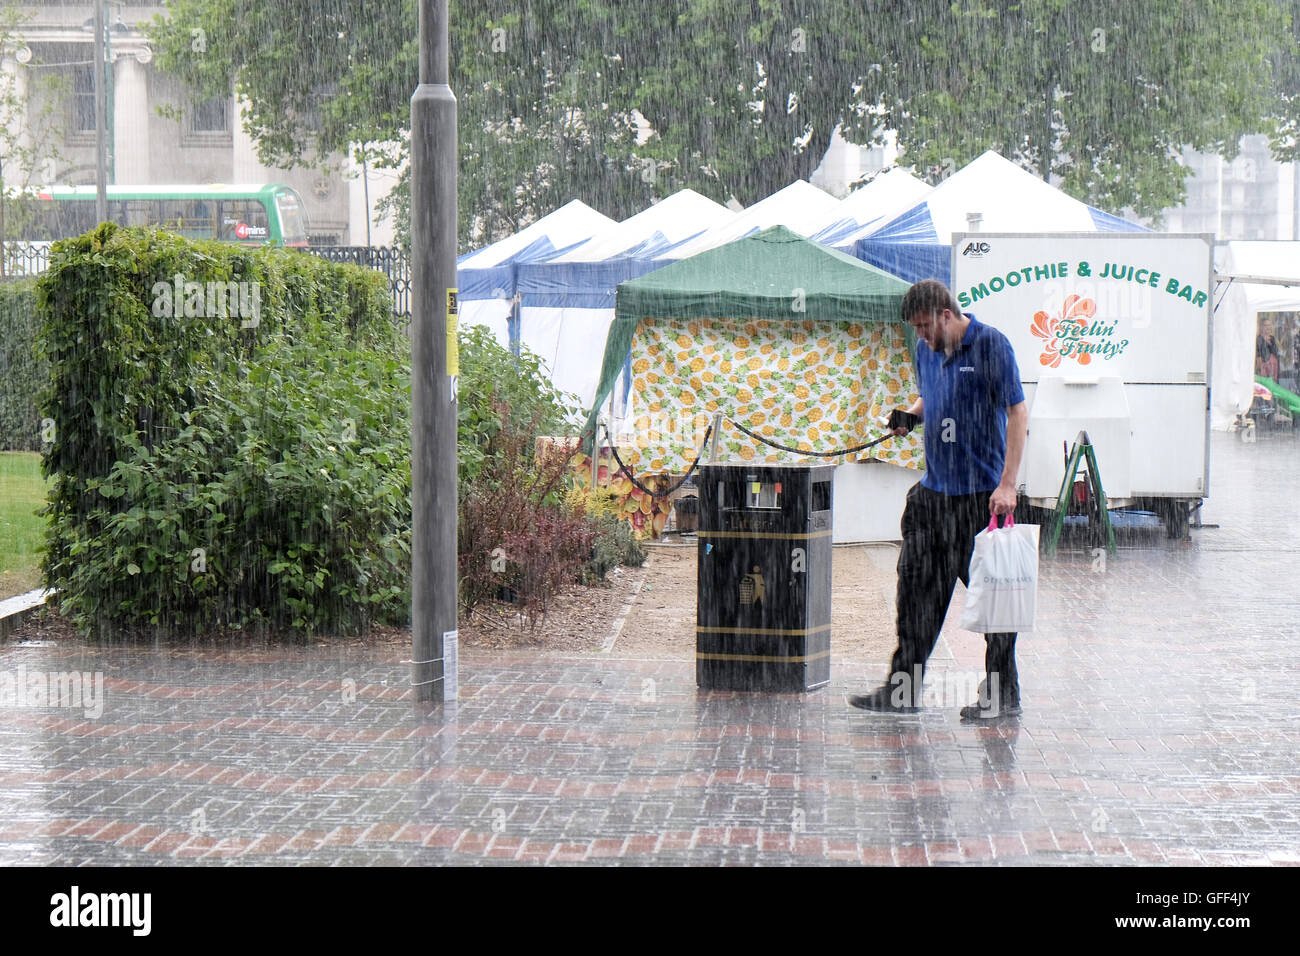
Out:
{"x": 928, "y": 297}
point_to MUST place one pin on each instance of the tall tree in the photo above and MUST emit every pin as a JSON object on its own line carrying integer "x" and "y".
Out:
{"x": 1285, "y": 64}
{"x": 1103, "y": 93}
{"x": 618, "y": 102}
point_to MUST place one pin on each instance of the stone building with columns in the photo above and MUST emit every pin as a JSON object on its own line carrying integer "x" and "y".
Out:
{"x": 206, "y": 145}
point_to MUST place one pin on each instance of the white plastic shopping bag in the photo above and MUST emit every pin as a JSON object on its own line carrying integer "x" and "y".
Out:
{"x": 1003, "y": 585}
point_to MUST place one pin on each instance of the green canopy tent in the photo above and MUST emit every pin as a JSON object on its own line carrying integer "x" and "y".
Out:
{"x": 790, "y": 336}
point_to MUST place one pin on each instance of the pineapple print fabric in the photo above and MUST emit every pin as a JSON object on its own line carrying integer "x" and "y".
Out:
{"x": 816, "y": 386}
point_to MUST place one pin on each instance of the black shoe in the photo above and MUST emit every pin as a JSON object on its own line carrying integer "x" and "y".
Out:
{"x": 884, "y": 699}
{"x": 990, "y": 711}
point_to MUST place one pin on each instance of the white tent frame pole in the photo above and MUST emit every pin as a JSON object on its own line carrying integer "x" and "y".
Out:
{"x": 1256, "y": 280}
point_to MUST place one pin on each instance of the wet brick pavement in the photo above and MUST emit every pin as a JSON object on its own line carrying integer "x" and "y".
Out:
{"x": 1161, "y": 726}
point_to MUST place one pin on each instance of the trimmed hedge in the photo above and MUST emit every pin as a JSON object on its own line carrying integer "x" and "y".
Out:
{"x": 21, "y": 376}
{"x": 216, "y": 470}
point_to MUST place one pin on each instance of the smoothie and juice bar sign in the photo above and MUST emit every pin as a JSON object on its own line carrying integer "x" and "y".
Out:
{"x": 1134, "y": 305}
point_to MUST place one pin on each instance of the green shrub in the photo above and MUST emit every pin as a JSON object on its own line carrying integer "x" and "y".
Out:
{"x": 211, "y": 472}
{"x": 517, "y": 504}
{"x": 491, "y": 377}
{"x": 223, "y": 470}
{"x": 615, "y": 544}
{"x": 21, "y": 376}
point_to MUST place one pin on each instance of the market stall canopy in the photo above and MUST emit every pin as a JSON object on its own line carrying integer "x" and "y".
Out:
{"x": 917, "y": 244}
{"x": 869, "y": 207}
{"x": 586, "y": 275}
{"x": 566, "y": 303}
{"x": 774, "y": 277}
{"x": 801, "y": 207}
{"x": 1007, "y": 197}
{"x": 487, "y": 278}
{"x": 489, "y": 273}
{"x": 674, "y": 219}
{"x": 559, "y": 231}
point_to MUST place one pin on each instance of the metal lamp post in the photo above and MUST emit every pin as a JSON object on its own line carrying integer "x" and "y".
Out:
{"x": 434, "y": 365}
{"x": 101, "y": 109}
{"x": 105, "y": 157}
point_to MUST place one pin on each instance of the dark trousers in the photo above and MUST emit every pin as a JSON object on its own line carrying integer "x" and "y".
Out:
{"x": 938, "y": 538}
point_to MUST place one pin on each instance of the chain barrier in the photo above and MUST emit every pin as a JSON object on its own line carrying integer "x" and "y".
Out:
{"x": 657, "y": 494}
{"x": 708, "y": 432}
{"x": 815, "y": 454}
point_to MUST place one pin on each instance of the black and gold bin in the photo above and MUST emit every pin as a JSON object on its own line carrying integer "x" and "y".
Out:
{"x": 763, "y": 611}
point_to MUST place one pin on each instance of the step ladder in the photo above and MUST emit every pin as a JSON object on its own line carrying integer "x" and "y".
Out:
{"x": 1082, "y": 450}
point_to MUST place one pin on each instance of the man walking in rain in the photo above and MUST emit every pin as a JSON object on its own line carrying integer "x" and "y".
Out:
{"x": 975, "y": 421}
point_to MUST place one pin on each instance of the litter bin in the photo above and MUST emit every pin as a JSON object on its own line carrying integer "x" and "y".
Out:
{"x": 687, "y": 514}
{"x": 763, "y": 600}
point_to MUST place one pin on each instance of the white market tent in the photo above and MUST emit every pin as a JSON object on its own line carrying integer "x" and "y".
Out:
{"x": 870, "y": 207}
{"x": 567, "y": 302}
{"x": 1236, "y": 316}
{"x": 800, "y": 207}
{"x": 917, "y": 243}
{"x": 487, "y": 278}
{"x": 1008, "y": 197}
{"x": 673, "y": 219}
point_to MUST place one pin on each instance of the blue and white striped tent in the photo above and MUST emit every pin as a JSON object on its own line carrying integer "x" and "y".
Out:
{"x": 566, "y": 302}
{"x": 869, "y": 207}
{"x": 488, "y": 278}
{"x": 917, "y": 244}
{"x": 800, "y": 207}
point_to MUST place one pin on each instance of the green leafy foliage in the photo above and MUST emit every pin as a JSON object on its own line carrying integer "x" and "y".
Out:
{"x": 618, "y": 103}
{"x": 1103, "y": 93}
{"x": 1285, "y": 65}
{"x": 21, "y": 376}
{"x": 492, "y": 378}
{"x": 222, "y": 471}
{"x": 615, "y": 544}
{"x": 212, "y": 471}
{"x": 520, "y": 538}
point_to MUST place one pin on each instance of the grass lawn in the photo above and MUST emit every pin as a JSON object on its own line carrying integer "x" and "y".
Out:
{"x": 22, "y": 533}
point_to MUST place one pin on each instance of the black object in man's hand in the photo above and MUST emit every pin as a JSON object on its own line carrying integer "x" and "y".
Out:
{"x": 901, "y": 419}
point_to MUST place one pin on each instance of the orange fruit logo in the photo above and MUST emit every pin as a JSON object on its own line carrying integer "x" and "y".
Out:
{"x": 1074, "y": 311}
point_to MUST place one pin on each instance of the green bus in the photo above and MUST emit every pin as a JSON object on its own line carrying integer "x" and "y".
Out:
{"x": 254, "y": 215}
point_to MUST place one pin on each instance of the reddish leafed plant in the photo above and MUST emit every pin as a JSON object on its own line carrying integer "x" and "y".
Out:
{"x": 520, "y": 541}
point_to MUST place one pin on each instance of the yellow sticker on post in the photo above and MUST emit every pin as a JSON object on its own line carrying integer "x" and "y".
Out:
{"x": 453, "y": 340}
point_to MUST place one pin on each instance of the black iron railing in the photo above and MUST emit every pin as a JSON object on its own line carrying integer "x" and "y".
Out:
{"x": 25, "y": 258}
{"x": 390, "y": 260}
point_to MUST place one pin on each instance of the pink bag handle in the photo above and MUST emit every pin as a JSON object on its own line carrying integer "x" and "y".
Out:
{"x": 993, "y": 522}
